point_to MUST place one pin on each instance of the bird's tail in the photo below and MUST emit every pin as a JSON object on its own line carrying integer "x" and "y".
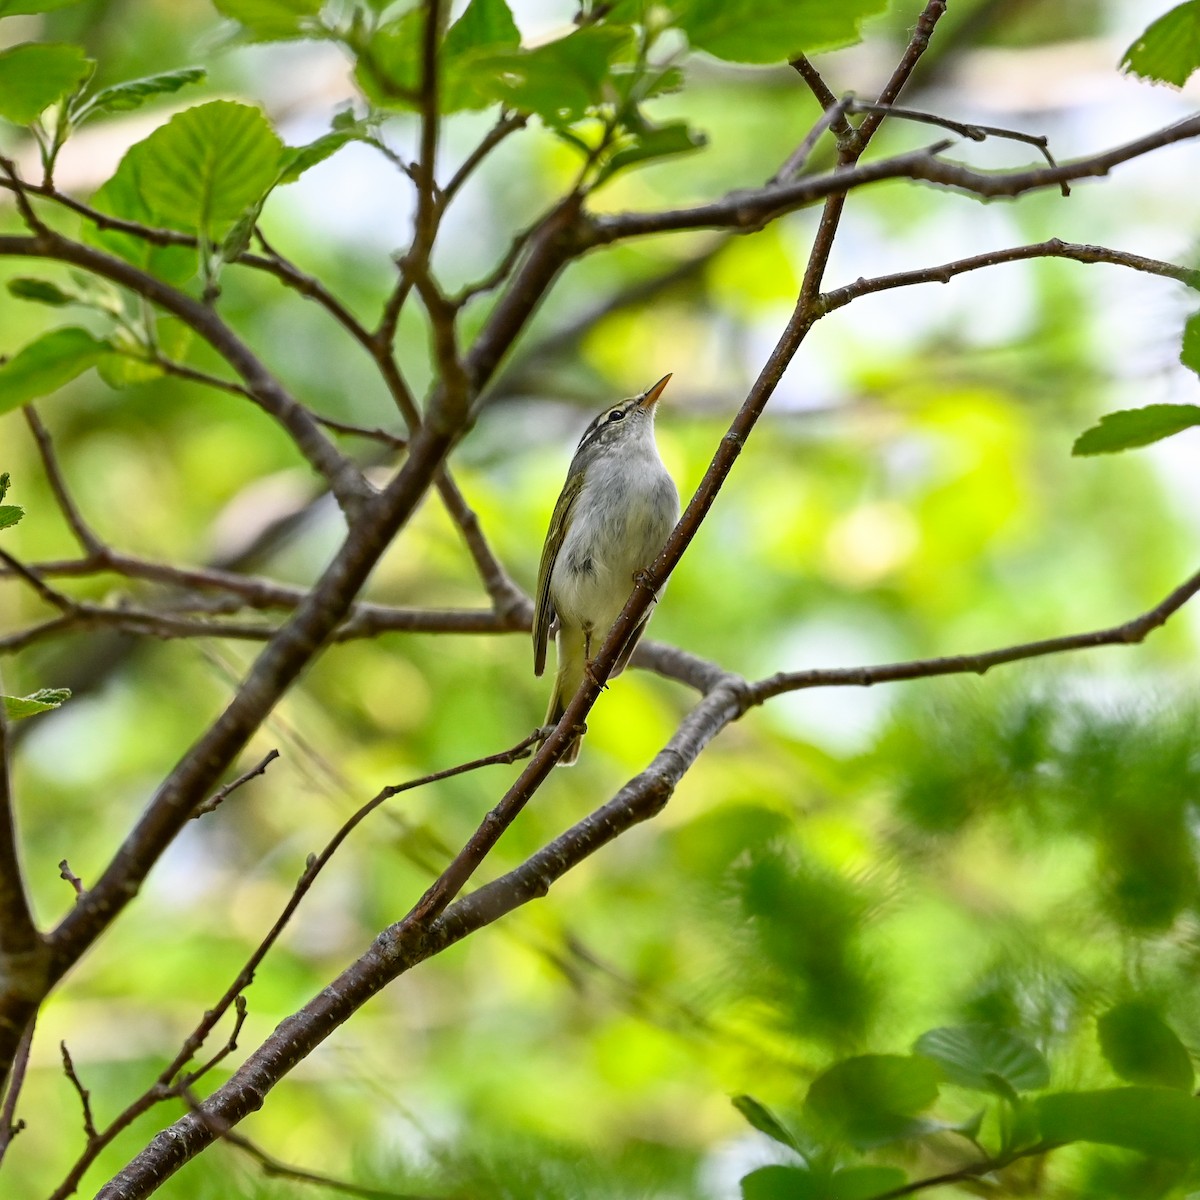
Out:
{"x": 571, "y": 657}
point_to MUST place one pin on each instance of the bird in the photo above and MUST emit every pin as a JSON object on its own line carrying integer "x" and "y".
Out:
{"x": 613, "y": 517}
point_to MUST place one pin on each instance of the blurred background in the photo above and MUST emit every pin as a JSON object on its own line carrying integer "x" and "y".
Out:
{"x": 843, "y": 868}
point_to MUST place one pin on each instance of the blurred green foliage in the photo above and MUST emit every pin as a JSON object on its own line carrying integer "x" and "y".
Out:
{"x": 996, "y": 875}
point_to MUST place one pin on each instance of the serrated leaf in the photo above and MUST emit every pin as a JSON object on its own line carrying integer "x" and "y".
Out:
{"x": 5, "y": 484}
{"x": 765, "y": 1121}
{"x": 46, "y": 364}
{"x": 1161, "y": 1122}
{"x": 1142, "y": 1048}
{"x": 125, "y": 97}
{"x": 272, "y": 20}
{"x": 207, "y": 165}
{"x": 655, "y": 141}
{"x": 389, "y": 67}
{"x": 10, "y": 514}
{"x": 560, "y": 80}
{"x": 873, "y": 1098}
{"x": 40, "y": 291}
{"x": 1134, "y": 427}
{"x": 485, "y": 28}
{"x": 771, "y": 31}
{"x": 35, "y": 75}
{"x": 18, "y": 707}
{"x": 1169, "y": 50}
{"x": 985, "y": 1059}
{"x": 14, "y": 8}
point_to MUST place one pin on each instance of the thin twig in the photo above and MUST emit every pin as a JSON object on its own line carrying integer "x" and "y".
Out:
{"x": 219, "y": 797}
{"x": 88, "y": 541}
{"x": 65, "y": 872}
{"x": 85, "y": 1097}
{"x": 9, "y": 1125}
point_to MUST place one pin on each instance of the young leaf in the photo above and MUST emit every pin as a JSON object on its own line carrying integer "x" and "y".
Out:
{"x": 873, "y": 1098}
{"x": 272, "y": 20}
{"x": 1161, "y": 1122}
{"x": 1135, "y": 427}
{"x": 10, "y": 514}
{"x": 36, "y": 74}
{"x": 5, "y": 484}
{"x": 1169, "y": 50}
{"x": 201, "y": 170}
{"x": 125, "y": 97}
{"x": 389, "y": 66}
{"x": 764, "y": 1120}
{"x": 40, "y": 291}
{"x": 1142, "y": 1048}
{"x": 984, "y": 1057}
{"x": 655, "y": 141}
{"x": 46, "y": 364}
{"x": 18, "y": 707}
{"x": 770, "y": 31}
{"x": 561, "y": 80}
{"x": 485, "y": 28}
{"x": 298, "y": 159}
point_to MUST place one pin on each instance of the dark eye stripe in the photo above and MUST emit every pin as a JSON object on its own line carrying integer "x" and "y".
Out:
{"x": 616, "y": 413}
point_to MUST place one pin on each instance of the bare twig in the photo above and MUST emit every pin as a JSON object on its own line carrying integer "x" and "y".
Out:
{"x": 88, "y": 541}
{"x": 85, "y": 1097}
{"x": 65, "y": 872}
{"x": 9, "y": 1125}
{"x": 218, "y": 798}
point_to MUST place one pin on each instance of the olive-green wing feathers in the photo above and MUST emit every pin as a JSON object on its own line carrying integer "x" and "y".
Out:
{"x": 559, "y": 523}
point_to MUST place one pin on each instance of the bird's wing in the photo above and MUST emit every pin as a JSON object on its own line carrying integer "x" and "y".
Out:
{"x": 559, "y": 523}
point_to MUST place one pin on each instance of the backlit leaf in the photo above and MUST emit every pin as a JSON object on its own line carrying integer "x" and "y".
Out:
{"x": 46, "y": 364}
{"x": 1169, "y": 50}
{"x": 125, "y": 97}
{"x": 272, "y": 20}
{"x": 35, "y": 75}
{"x": 1133, "y": 427}
{"x": 18, "y": 707}
{"x": 873, "y": 1098}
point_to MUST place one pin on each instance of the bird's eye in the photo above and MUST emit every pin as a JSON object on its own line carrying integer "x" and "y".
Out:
{"x": 617, "y": 415}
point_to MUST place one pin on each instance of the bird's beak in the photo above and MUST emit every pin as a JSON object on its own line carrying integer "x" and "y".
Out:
{"x": 650, "y": 397}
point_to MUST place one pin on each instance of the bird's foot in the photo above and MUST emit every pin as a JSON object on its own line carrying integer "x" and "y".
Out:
{"x": 591, "y": 674}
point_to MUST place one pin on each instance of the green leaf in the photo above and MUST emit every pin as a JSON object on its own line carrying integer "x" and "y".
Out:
{"x": 40, "y": 291}
{"x": 389, "y": 66}
{"x": 17, "y": 707}
{"x": 485, "y": 29}
{"x": 35, "y": 75}
{"x": 46, "y": 364}
{"x": 272, "y": 20}
{"x": 1133, "y": 427}
{"x": 765, "y": 1121}
{"x": 873, "y": 1098}
{"x": 1169, "y": 50}
{"x": 10, "y": 514}
{"x": 1142, "y": 1048}
{"x": 780, "y": 1183}
{"x": 5, "y": 484}
{"x": 298, "y": 159}
{"x": 1189, "y": 352}
{"x": 770, "y": 31}
{"x": 1161, "y": 1122}
{"x": 561, "y": 80}
{"x": 208, "y": 164}
{"x": 655, "y": 141}
{"x": 125, "y": 97}
{"x": 13, "y": 8}
{"x": 984, "y": 1057}
{"x": 862, "y": 1183}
